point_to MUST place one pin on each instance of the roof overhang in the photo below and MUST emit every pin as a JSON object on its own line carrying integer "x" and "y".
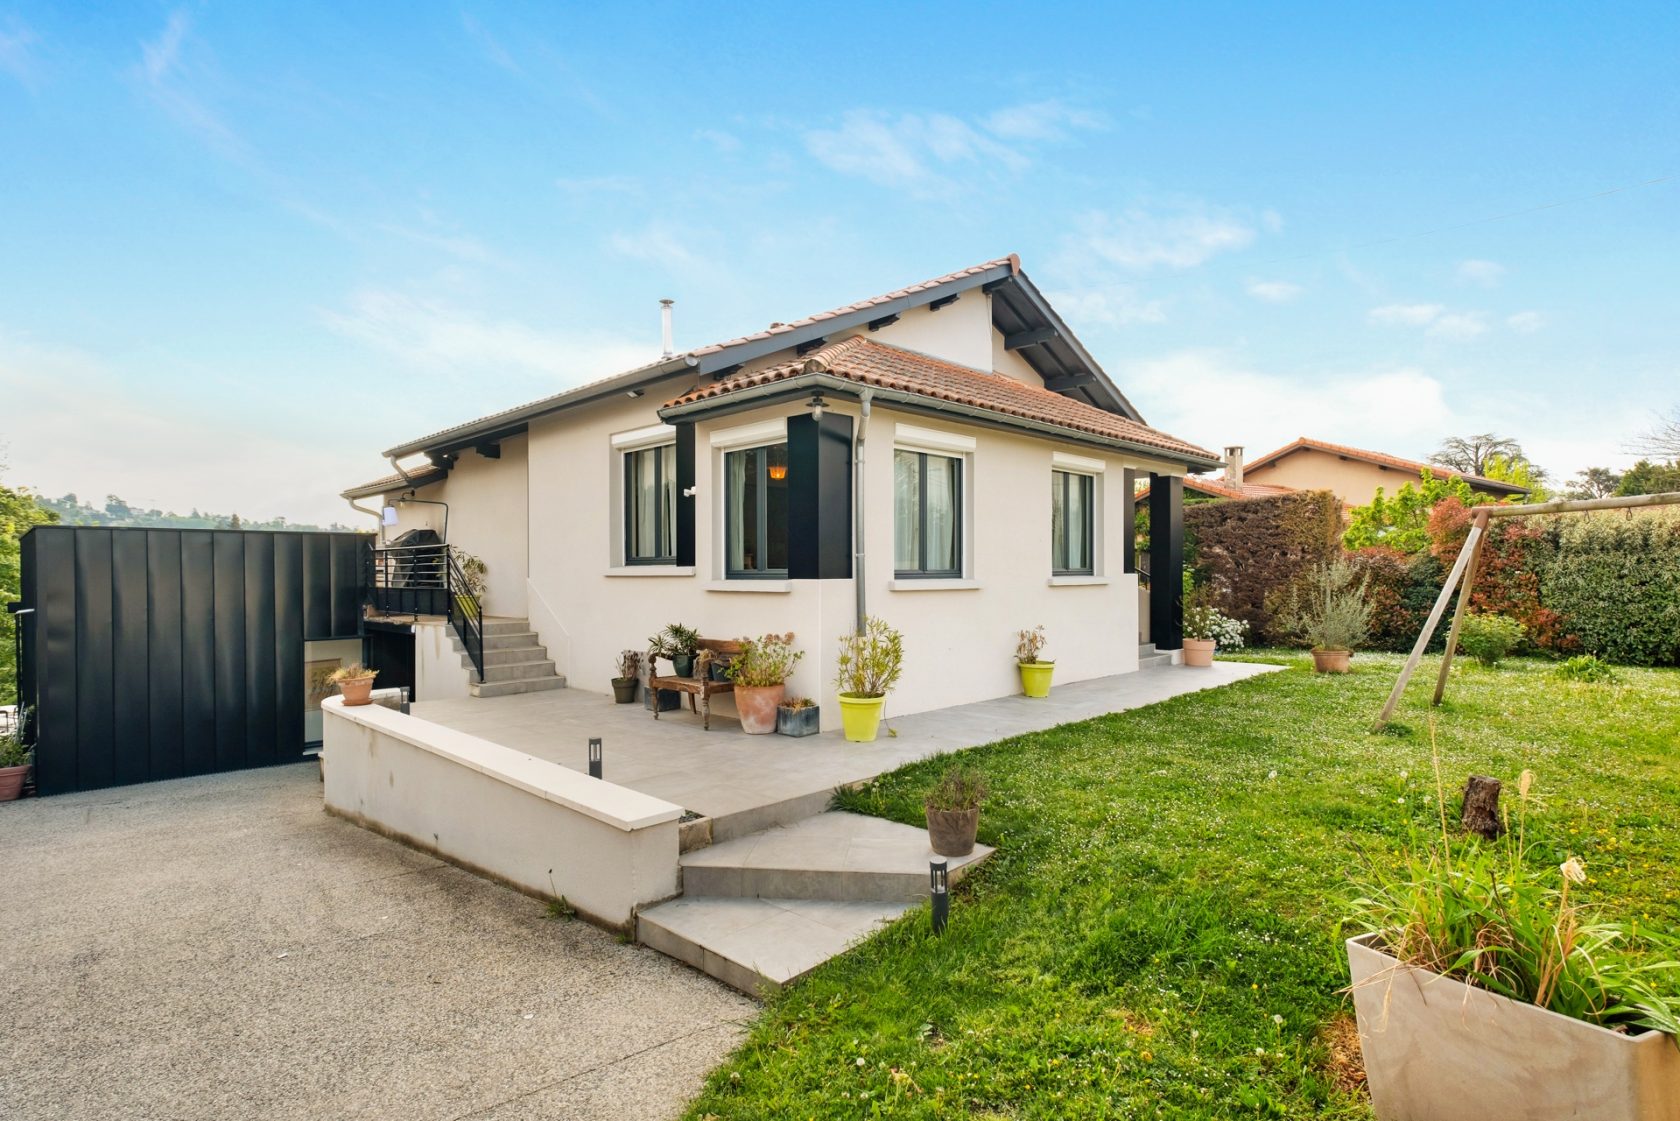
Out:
{"x": 801, "y": 385}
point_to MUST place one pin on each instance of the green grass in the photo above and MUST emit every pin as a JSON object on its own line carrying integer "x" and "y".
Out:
{"x": 1158, "y": 933}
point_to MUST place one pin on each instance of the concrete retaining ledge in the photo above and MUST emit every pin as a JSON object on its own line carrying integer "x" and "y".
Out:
{"x": 537, "y": 826}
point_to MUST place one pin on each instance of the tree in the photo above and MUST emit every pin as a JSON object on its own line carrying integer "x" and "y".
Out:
{"x": 1402, "y": 522}
{"x": 1470, "y": 454}
{"x": 1594, "y": 482}
{"x": 19, "y": 510}
{"x": 1646, "y": 477}
{"x": 1519, "y": 472}
{"x": 1663, "y": 441}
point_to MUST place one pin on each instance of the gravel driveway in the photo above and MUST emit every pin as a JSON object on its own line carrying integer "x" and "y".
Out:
{"x": 219, "y": 947}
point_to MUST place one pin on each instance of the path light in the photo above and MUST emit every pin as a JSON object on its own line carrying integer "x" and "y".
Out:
{"x": 939, "y": 876}
{"x": 594, "y": 756}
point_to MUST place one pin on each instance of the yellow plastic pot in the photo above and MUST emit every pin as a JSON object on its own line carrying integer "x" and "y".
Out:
{"x": 1035, "y": 678}
{"x": 861, "y": 717}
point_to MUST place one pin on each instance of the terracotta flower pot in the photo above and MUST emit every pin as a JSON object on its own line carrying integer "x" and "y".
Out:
{"x": 356, "y": 690}
{"x": 1198, "y": 652}
{"x": 11, "y": 782}
{"x": 951, "y": 832}
{"x": 1331, "y": 661}
{"x": 757, "y": 706}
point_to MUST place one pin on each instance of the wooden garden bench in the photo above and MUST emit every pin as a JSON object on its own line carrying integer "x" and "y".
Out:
{"x": 699, "y": 686}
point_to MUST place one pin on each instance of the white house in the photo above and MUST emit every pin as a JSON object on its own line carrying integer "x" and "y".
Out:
{"x": 947, "y": 456}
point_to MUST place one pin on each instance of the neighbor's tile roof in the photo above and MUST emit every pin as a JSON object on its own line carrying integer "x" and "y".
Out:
{"x": 862, "y": 360}
{"x": 419, "y": 477}
{"x": 1383, "y": 460}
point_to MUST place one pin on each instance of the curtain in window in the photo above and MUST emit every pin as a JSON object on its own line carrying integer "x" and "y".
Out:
{"x": 942, "y": 474}
{"x": 742, "y": 509}
{"x": 668, "y": 500}
{"x": 1058, "y": 521}
{"x": 1079, "y": 522}
{"x": 644, "y": 509}
{"x": 907, "y": 511}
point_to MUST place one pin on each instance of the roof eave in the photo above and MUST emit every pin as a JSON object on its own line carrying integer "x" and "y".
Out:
{"x": 1043, "y": 308}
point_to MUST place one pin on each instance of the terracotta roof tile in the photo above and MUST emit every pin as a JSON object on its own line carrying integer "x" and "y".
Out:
{"x": 866, "y": 362}
{"x": 419, "y": 477}
{"x": 1384, "y": 460}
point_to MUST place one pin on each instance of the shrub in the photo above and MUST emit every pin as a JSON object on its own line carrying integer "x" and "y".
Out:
{"x": 1488, "y": 638}
{"x": 1204, "y": 621}
{"x": 1247, "y": 549}
{"x": 1326, "y": 610}
{"x": 1615, "y": 581}
{"x": 871, "y": 660}
{"x": 765, "y": 661}
{"x": 1508, "y": 576}
{"x": 1400, "y": 590}
{"x": 1402, "y": 522}
{"x": 959, "y": 788}
{"x": 13, "y": 751}
{"x": 1586, "y": 668}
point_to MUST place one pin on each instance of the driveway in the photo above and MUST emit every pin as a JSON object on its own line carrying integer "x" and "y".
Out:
{"x": 219, "y": 947}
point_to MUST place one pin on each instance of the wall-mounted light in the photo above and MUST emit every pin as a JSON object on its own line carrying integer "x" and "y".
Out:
{"x": 816, "y": 404}
{"x": 635, "y": 393}
{"x": 388, "y": 516}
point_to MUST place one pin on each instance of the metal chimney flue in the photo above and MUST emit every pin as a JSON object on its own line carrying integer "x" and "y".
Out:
{"x": 665, "y": 327}
{"x": 1234, "y": 465}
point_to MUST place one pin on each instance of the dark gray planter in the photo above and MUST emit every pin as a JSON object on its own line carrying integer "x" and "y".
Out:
{"x": 952, "y": 832}
{"x": 669, "y": 699}
{"x": 720, "y": 671}
{"x": 624, "y": 689}
{"x": 682, "y": 665}
{"x": 798, "y": 721}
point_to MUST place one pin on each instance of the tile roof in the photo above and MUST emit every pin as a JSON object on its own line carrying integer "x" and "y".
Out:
{"x": 1219, "y": 489}
{"x": 870, "y": 363}
{"x": 419, "y": 477}
{"x": 1384, "y": 460}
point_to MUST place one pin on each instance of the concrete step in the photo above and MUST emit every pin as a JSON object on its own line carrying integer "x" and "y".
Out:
{"x": 759, "y": 945}
{"x": 516, "y": 671}
{"x": 835, "y": 856}
{"x": 504, "y": 640}
{"x": 511, "y": 688}
{"x": 501, "y": 624}
{"x": 506, "y": 655}
{"x": 1149, "y": 656}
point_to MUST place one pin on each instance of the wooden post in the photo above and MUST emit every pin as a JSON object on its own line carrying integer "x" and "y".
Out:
{"x": 1471, "y": 544}
{"x": 1463, "y": 606}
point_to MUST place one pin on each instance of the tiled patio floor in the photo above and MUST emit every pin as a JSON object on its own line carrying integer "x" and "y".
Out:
{"x": 726, "y": 772}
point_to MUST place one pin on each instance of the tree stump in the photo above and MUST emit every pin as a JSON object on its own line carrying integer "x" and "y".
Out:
{"x": 1481, "y": 807}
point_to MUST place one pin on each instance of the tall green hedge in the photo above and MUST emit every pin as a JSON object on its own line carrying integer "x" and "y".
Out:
{"x": 1246, "y": 549}
{"x": 1615, "y": 580}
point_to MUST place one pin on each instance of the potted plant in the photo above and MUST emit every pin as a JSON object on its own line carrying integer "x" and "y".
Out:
{"x": 1207, "y": 629}
{"x": 14, "y": 757}
{"x": 760, "y": 672}
{"x": 798, "y": 716}
{"x": 680, "y": 644}
{"x": 1482, "y": 988}
{"x": 355, "y": 683}
{"x": 953, "y": 810}
{"x": 629, "y": 676}
{"x": 1035, "y": 672}
{"x": 870, "y": 663}
{"x": 1328, "y": 611}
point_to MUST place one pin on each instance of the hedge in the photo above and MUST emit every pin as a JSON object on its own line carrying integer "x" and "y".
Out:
{"x": 1246, "y": 549}
{"x": 1615, "y": 581}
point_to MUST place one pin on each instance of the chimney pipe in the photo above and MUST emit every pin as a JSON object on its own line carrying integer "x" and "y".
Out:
{"x": 665, "y": 326}
{"x": 1234, "y": 465}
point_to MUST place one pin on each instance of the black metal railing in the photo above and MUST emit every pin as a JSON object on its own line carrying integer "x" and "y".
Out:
{"x": 427, "y": 580}
{"x": 466, "y": 614}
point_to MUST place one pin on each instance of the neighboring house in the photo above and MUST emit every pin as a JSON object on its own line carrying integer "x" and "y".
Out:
{"x": 1351, "y": 474}
{"x": 953, "y": 443}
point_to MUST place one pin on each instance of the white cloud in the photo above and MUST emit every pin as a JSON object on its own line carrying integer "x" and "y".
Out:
{"x": 17, "y": 56}
{"x": 1042, "y": 120}
{"x": 717, "y": 138}
{"x": 1458, "y": 325}
{"x": 1525, "y": 322}
{"x": 1405, "y": 315}
{"x": 908, "y": 151}
{"x": 489, "y": 45}
{"x": 1138, "y": 239}
{"x": 434, "y": 336}
{"x": 1485, "y": 273}
{"x": 160, "y": 56}
{"x": 1113, "y": 305}
{"x": 659, "y": 244}
{"x": 1273, "y": 291}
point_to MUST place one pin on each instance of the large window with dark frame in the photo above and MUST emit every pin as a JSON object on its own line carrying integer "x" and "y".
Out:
{"x": 756, "y": 512}
{"x": 1071, "y": 524}
{"x": 650, "y": 505}
{"x": 927, "y": 514}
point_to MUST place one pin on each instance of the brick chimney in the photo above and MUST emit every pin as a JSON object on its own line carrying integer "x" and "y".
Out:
{"x": 1234, "y": 465}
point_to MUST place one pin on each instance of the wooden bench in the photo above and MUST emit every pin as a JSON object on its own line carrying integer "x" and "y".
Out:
{"x": 700, "y": 685}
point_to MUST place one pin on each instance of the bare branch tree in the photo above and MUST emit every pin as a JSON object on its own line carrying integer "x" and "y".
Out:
{"x": 1470, "y": 454}
{"x": 1663, "y": 441}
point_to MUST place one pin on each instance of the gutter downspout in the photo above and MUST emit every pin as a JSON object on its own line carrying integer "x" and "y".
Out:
{"x": 864, "y": 400}
{"x": 377, "y": 515}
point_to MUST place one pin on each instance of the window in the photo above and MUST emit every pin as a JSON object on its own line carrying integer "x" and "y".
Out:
{"x": 756, "y": 511}
{"x": 1071, "y": 524}
{"x": 927, "y": 514}
{"x": 650, "y": 505}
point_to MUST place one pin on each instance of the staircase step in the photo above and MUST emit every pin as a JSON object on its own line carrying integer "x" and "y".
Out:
{"x": 506, "y": 655}
{"x": 503, "y": 640}
{"x": 1148, "y": 656}
{"x": 511, "y": 688}
{"x": 759, "y": 945}
{"x": 516, "y": 671}
{"x": 835, "y": 856}
{"x": 496, "y": 624}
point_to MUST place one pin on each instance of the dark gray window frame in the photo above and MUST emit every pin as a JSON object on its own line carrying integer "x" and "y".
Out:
{"x": 925, "y": 573}
{"x": 1089, "y": 484}
{"x": 763, "y": 503}
{"x": 666, "y": 550}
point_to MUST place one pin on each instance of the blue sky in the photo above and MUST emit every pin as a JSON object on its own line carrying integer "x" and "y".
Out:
{"x": 243, "y": 250}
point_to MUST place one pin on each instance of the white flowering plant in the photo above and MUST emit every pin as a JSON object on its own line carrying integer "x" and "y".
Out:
{"x": 1204, "y": 621}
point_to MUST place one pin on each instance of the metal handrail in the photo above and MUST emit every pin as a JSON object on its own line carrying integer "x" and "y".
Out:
{"x": 427, "y": 580}
{"x": 466, "y": 614}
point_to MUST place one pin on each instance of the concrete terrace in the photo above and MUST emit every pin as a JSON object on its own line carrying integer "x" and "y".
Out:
{"x": 748, "y": 783}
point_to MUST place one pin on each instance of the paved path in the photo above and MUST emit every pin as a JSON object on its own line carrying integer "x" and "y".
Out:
{"x": 220, "y": 948}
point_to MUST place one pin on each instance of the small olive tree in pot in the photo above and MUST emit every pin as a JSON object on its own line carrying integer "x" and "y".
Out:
{"x": 953, "y": 811}
{"x": 1327, "y": 611}
{"x": 870, "y": 664}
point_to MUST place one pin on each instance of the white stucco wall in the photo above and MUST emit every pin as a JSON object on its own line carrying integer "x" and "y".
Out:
{"x": 1011, "y": 364}
{"x": 438, "y": 673}
{"x": 959, "y": 332}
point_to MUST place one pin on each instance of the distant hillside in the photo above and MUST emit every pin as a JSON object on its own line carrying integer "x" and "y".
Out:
{"x": 117, "y": 513}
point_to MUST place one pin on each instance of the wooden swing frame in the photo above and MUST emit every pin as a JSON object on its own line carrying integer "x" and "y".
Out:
{"x": 1464, "y": 571}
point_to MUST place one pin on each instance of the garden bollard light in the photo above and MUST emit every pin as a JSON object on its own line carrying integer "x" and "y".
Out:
{"x": 939, "y": 873}
{"x": 594, "y": 756}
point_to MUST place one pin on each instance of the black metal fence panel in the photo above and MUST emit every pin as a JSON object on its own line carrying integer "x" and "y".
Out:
{"x": 160, "y": 653}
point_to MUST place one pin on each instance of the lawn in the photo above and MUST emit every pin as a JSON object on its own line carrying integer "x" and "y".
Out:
{"x": 1158, "y": 933}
